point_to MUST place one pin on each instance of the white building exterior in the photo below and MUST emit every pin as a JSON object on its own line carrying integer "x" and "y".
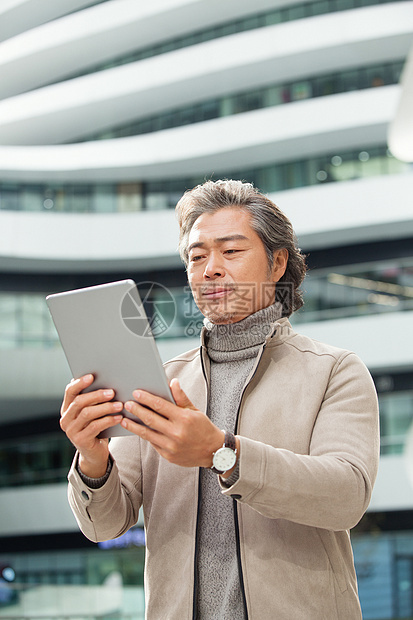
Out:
{"x": 295, "y": 97}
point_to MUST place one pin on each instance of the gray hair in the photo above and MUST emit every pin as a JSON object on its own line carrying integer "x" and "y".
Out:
{"x": 268, "y": 221}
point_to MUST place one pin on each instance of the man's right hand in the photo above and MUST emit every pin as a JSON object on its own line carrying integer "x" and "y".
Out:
{"x": 83, "y": 418}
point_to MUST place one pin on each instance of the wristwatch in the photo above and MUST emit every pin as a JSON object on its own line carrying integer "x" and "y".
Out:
{"x": 226, "y": 457}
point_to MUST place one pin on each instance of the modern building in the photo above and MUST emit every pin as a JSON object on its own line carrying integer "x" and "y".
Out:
{"x": 109, "y": 110}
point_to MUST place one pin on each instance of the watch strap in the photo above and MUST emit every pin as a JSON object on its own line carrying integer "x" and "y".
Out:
{"x": 229, "y": 442}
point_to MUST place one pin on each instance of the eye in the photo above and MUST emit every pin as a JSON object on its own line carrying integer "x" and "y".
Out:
{"x": 231, "y": 251}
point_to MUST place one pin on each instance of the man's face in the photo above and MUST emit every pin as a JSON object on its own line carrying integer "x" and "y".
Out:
{"x": 228, "y": 268}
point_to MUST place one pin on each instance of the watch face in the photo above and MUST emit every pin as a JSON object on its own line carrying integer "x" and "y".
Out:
{"x": 224, "y": 459}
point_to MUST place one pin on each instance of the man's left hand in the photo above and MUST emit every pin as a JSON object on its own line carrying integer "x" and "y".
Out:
{"x": 179, "y": 432}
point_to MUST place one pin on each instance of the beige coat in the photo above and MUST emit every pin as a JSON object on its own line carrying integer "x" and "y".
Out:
{"x": 308, "y": 423}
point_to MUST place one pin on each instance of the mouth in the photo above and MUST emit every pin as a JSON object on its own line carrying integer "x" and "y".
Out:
{"x": 215, "y": 292}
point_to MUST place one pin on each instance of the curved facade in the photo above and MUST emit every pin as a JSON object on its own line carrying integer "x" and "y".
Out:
{"x": 108, "y": 112}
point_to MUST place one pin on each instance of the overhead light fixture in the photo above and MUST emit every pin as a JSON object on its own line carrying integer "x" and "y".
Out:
{"x": 371, "y": 285}
{"x": 383, "y": 300}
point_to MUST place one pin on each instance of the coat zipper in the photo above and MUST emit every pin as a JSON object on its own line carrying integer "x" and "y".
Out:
{"x": 194, "y": 596}
{"x": 236, "y": 523}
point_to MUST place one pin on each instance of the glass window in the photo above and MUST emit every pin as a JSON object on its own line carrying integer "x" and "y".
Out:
{"x": 209, "y": 110}
{"x": 395, "y": 166}
{"x": 105, "y": 135}
{"x": 297, "y": 12}
{"x": 327, "y": 85}
{"x": 319, "y": 8}
{"x": 157, "y": 123}
{"x": 375, "y": 76}
{"x": 33, "y": 312}
{"x": 396, "y": 70}
{"x": 349, "y": 81}
{"x": 301, "y": 90}
{"x": 37, "y": 460}
{"x": 155, "y": 201}
{"x": 31, "y": 200}
{"x": 344, "y": 5}
{"x": 227, "y": 106}
{"x": 10, "y": 197}
{"x": 270, "y": 178}
{"x": 103, "y": 199}
{"x": 396, "y": 414}
{"x": 273, "y": 96}
{"x": 228, "y": 29}
{"x": 250, "y": 101}
{"x": 371, "y": 166}
{"x": 60, "y": 200}
{"x": 48, "y": 199}
{"x": 146, "y": 125}
{"x": 342, "y": 167}
{"x": 273, "y": 18}
{"x": 9, "y": 330}
{"x": 78, "y": 199}
{"x": 345, "y": 292}
{"x": 129, "y": 197}
{"x": 187, "y": 116}
{"x": 251, "y": 22}
{"x": 240, "y": 25}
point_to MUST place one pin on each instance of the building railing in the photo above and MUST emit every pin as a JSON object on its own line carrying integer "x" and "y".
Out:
{"x": 357, "y": 78}
{"x": 271, "y": 17}
{"x": 333, "y": 167}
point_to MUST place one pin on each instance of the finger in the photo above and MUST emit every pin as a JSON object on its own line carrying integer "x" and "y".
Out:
{"x": 149, "y": 417}
{"x": 179, "y": 396}
{"x": 155, "y": 403}
{"x": 74, "y": 388}
{"x": 164, "y": 407}
{"x": 86, "y": 400}
{"x": 86, "y": 415}
{"x": 84, "y": 436}
{"x": 87, "y": 440}
{"x": 154, "y": 437}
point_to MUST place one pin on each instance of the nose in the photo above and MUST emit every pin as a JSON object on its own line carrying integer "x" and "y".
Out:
{"x": 214, "y": 268}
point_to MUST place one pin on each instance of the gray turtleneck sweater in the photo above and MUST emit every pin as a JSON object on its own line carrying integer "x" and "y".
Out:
{"x": 232, "y": 350}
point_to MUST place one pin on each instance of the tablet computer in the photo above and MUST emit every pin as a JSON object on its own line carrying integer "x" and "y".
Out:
{"x": 104, "y": 330}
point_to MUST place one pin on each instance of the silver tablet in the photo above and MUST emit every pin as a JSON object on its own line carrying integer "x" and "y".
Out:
{"x": 104, "y": 330}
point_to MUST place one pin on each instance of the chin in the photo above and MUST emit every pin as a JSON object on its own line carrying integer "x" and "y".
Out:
{"x": 224, "y": 318}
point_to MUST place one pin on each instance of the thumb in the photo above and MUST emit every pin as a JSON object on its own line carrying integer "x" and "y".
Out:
{"x": 180, "y": 398}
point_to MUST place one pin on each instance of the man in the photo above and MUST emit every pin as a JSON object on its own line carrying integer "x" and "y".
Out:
{"x": 253, "y": 525}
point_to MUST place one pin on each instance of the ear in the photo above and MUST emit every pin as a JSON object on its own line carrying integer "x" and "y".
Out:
{"x": 279, "y": 264}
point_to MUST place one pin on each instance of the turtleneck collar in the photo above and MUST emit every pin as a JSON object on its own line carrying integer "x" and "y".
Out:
{"x": 244, "y": 336}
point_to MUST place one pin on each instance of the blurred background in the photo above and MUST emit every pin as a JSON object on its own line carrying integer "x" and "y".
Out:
{"x": 109, "y": 110}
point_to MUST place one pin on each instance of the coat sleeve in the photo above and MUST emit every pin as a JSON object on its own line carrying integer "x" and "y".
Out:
{"x": 109, "y": 511}
{"x": 330, "y": 487}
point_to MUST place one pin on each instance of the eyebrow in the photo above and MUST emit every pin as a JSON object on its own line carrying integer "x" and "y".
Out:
{"x": 201, "y": 244}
